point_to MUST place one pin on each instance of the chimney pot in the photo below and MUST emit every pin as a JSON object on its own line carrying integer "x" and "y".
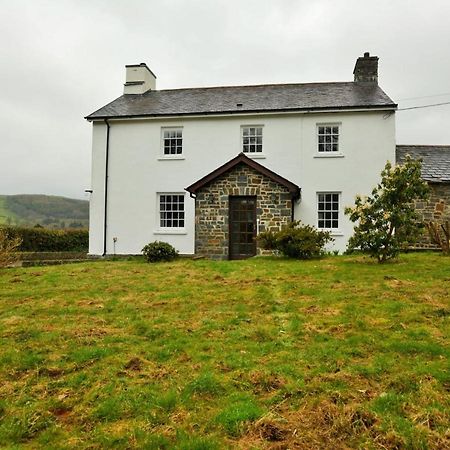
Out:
{"x": 366, "y": 69}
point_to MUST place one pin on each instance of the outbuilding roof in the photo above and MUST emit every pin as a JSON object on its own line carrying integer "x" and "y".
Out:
{"x": 243, "y": 159}
{"x": 247, "y": 99}
{"x": 435, "y": 160}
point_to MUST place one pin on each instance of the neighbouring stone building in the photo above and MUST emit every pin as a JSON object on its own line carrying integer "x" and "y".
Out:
{"x": 237, "y": 201}
{"x": 436, "y": 171}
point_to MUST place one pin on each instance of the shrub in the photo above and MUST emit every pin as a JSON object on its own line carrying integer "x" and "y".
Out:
{"x": 44, "y": 240}
{"x": 159, "y": 251}
{"x": 440, "y": 235}
{"x": 296, "y": 241}
{"x": 387, "y": 220}
{"x": 8, "y": 248}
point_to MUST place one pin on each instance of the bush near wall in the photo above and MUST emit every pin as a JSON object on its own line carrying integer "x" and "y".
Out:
{"x": 44, "y": 240}
{"x": 296, "y": 241}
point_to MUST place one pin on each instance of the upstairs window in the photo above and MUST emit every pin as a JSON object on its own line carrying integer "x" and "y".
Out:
{"x": 171, "y": 210}
{"x": 328, "y": 210}
{"x": 172, "y": 141}
{"x": 252, "y": 139}
{"x": 328, "y": 138}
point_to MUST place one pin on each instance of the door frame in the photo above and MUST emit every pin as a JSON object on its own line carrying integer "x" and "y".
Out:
{"x": 255, "y": 222}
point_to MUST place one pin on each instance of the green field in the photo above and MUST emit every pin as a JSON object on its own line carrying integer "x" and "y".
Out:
{"x": 5, "y": 213}
{"x": 263, "y": 353}
{"x": 50, "y": 211}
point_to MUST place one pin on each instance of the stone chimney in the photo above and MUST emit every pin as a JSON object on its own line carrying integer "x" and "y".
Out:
{"x": 366, "y": 69}
{"x": 139, "y": 79}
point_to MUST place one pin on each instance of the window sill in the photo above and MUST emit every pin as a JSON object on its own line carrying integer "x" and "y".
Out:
{"x": 255, "y": 155}
{"x": 174, "y": 231}
{"x": 165, "y": 158}
{"x": 331, "y": 155}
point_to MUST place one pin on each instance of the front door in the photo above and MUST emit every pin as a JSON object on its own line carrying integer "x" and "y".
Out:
{"x": 242, "y": 222}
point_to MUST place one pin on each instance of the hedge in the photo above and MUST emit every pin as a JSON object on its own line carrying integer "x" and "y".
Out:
{"x": 45, "y": 240}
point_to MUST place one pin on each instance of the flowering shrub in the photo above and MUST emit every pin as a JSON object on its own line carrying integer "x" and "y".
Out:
{"x": 387, "y": 221}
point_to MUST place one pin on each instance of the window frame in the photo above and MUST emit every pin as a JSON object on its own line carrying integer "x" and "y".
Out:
{"x": 255, "y": 154}
{"x": 329, "y": 153}
{"x": 162, "y": 144}
{"x": 333, "y": 230}
{"x": 170, "y": 229}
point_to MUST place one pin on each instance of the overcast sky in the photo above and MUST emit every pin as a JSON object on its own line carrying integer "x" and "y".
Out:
{"x": 61, "y": 60}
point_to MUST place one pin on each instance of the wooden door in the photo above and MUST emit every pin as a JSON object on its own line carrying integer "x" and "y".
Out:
{"x": 242, "y": 223}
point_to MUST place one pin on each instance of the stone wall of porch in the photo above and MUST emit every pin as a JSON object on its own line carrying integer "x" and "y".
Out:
{"x": 273, "y": 208}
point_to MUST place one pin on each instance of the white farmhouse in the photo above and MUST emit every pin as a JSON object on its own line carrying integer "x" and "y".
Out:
{"x": 206, "y": 169}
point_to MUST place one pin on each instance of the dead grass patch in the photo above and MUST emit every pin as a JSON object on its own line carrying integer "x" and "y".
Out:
{"x": 315, "y": 309}
{"x": 265, "y": 382}
{"x": 135, "y": 364}
{"x": 272, "y": 430}
{"x": 315, "y": 426}
{"x": 51, "y": 372}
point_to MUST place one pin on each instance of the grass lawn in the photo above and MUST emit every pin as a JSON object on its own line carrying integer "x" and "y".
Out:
{"x": 263, "y": 353}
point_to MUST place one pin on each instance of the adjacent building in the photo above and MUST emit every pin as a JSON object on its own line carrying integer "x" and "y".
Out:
{"x": 436, "y": 172}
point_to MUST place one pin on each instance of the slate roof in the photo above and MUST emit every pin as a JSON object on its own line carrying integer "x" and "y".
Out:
{"x": 261, "y": 98}
{"x": 435, "y": 160}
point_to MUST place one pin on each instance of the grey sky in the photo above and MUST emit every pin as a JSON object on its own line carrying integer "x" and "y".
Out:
{"x": 61, "y": 60}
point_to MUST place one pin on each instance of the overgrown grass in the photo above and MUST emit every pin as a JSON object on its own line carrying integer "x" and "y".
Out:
{"x": 264, "y": 353}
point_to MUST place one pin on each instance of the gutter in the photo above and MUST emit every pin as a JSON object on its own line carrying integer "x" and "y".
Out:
{"x": 106, "y": 186}
{"x": 365, "y": 108}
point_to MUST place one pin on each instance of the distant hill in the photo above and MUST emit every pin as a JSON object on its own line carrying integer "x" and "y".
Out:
{"x": 49, "y": 211}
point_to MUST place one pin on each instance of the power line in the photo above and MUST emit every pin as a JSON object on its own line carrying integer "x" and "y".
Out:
{"x": 424, "y": 96}
{"x": 424, "y": 106}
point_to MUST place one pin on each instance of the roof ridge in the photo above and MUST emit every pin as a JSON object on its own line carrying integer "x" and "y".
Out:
{"x": 252, "y": 86}
{"x": 424, "y": 145}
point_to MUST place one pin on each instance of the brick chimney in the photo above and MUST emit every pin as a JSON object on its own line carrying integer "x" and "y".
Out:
{"x": 366, "y": 69}
{"x": 139, "y": 79}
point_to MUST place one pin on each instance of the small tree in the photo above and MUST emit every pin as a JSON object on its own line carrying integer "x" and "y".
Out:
{"x": 8, "y": 248}
{"x": 387, "y": 220}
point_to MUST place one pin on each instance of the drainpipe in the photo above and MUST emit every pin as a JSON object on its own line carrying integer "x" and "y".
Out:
{"x": 194, "y": 196}
{"x": 294, "y": 199}
{"x": 106, "y": 187}
{"x": 292, "y": 208}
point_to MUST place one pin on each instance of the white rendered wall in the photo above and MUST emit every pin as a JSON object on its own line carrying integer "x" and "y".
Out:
{"x": 138, "y": 171}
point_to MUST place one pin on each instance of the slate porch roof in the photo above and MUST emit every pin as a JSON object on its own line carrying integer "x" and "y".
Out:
{"x": 260, "y": 98}
{"x": 435, "y": 160}
{"x": 243, "y": 159}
